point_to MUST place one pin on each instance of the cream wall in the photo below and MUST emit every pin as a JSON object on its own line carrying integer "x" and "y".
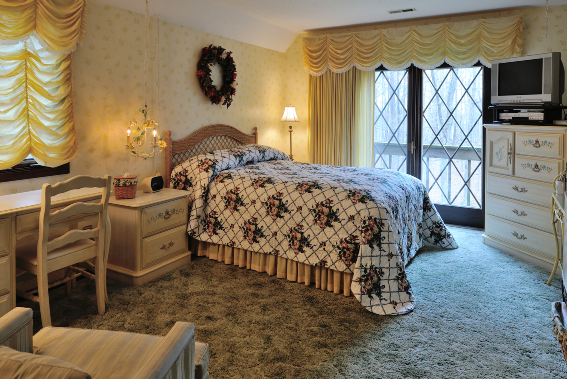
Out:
{"x": 108, "y": 80}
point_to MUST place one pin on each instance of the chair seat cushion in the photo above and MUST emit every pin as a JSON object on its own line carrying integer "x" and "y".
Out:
{"x": 101, "y": 353}
{"x": 107, "y": 354}
{"x": 17, "y": 365}
{"x": 27, "y": 253}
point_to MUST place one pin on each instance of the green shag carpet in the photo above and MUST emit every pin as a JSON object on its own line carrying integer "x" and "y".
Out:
{"x": 480, "y": 314}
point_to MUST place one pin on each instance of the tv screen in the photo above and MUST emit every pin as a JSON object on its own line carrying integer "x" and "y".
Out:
{"x": 520, "y": 78}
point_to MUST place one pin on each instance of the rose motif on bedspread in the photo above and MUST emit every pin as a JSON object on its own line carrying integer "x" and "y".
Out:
{"x": 365, "y": 221}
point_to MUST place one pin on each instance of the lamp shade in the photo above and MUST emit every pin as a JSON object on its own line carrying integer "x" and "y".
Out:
{"x": 289, "y": 115}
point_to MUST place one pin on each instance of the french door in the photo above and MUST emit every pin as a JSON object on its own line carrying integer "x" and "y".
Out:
{"x": 428, "y": 123}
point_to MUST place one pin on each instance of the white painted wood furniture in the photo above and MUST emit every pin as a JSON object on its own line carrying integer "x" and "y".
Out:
{"x": 103, "y": 354}
{"x": 19, "y": 223}
{"x": 521, "y": 163}
{"x": 149, "y": 235}
{"x": 54, "y": 252}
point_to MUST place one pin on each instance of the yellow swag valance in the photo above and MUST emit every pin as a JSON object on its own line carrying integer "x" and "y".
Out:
{"x": 60, "y": 24}
{"x": 461, "y": 44}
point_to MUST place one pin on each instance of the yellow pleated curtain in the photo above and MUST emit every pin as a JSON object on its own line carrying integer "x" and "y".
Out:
{"x": 36, "y": 91}
{"x": 333, "y": 113}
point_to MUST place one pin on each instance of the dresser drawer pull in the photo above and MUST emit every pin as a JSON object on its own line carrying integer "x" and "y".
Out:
{"x": 167, "y": 246}
{"x": 537, "y": 144}
{"x": 521, "y": 190}
{"x": 519, "y": 213}
{"x": 167, "y": 215}
{"x": 520, "y": 237}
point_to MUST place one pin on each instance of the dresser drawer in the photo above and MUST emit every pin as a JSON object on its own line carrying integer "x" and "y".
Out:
{"x": 536, "y": 241}
{"x": 520, "y": 189}
{"x": 548, "y": 145}
{"x": 164, "y": 216}
{"x": 543, "y": 169}
{"x": 4, "y": 305}
{"x": 164, "y": 245}
{"x": 520, "y": 212}
{"x": 4, "y": 275}
{"x": 4, "y": 235}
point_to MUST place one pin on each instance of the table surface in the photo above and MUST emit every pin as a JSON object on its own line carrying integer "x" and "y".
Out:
{"x": 142, "y": 199}
{"x": 31, "y": 200}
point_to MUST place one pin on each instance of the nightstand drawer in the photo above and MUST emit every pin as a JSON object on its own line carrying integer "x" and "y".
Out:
{"x": 520, "y": 212}
{"x": 164, "y": 245}
{"x": 4, "y": 275}
{"x": 537, "y": 168}
{"x": 540, "y": 145}
{"x": 4, "y": 235}
{"x": 164, "y": 216}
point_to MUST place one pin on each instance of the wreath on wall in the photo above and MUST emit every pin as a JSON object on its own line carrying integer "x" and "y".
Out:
{"x": 210, "y": 56}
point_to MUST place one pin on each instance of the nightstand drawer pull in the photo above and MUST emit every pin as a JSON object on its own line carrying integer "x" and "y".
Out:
{"x": 519, "y": 213}
{"x": 519, "y": 236}
{"x": 167, "y": 215}
{"x": 167, "y": 246}
{"x": 521, "y": 190}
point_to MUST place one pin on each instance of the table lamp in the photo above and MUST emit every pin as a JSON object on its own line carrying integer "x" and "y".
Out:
{"x": 290, "y": 116}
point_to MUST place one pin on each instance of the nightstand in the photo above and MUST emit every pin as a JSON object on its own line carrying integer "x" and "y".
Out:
{"x": 149, "y": 235}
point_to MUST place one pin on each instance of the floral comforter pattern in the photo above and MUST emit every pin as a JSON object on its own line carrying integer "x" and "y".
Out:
{"x": 367, "y": 221}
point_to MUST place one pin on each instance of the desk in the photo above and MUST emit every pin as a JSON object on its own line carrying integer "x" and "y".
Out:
{"x": 19, "y": 218}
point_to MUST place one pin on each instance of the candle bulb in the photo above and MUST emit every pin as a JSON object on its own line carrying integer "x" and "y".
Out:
{"x": 128, "y": 142}
{"x": 155, "y": 137}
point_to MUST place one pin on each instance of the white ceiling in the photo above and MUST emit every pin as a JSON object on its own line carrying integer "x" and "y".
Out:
{"x": 274, "y": 24}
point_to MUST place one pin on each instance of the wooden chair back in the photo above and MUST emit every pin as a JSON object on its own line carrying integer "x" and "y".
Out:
{"x": 46, "y": 218}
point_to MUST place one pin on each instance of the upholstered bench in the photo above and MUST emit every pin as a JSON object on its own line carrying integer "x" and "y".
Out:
{"x": 100, "y": 353}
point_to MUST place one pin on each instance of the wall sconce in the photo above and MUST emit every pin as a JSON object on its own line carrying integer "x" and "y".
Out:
{"x": 139, "y": 137}
{"x": 290, "y": 116}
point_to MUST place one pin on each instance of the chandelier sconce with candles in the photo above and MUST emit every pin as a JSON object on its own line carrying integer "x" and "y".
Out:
{"x": 137, "y": 134}
{"x": 290, "y": 116}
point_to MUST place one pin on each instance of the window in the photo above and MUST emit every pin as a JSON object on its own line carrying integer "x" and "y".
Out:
{"x": 428, "y": 123}
{"x": 30, "y": 169}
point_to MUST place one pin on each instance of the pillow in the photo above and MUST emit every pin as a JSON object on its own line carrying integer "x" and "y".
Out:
{"x": 14, "y": 364}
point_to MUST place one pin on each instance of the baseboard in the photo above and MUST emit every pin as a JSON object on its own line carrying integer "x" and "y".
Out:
{"x": 142, "y": 277}
{"x": 523, "y": 254}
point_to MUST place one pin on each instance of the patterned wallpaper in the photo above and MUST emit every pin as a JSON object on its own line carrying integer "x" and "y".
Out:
{"x": 108, "y": 80}
{"x": 109, "y": 86}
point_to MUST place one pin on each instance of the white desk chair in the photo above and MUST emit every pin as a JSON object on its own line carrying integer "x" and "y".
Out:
{"x": 72, "y": 247}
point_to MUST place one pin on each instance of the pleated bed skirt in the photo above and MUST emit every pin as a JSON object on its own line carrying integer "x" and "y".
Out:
{"x": 323, "y": 278}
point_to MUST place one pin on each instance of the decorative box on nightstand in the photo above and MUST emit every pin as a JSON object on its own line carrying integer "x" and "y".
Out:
{"x": 149, "y": 235}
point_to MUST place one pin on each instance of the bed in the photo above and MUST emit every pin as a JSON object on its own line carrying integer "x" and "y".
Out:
{"x": 347, "y": 230}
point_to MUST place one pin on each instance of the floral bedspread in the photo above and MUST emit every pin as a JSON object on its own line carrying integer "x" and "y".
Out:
{"x": 366, "y": 221}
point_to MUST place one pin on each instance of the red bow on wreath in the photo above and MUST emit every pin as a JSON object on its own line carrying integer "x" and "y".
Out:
{"x": 210, "y": 56}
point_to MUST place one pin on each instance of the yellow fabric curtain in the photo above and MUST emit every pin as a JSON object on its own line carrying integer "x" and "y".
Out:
{"x": 341, "y": 118}
{"x": 36, "y": 111}
{"x": 60, "y": 24}
{"x": 36, "y": 107}
{"x": 461, "y": 44}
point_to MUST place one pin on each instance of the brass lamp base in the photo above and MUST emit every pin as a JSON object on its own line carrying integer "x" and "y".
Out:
{"x": 290, "y": 151}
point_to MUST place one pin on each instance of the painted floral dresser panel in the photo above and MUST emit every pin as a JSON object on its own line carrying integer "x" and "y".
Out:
{"x": 370, "y": 222}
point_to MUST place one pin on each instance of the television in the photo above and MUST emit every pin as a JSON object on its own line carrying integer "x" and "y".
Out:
{"x": 531, "y": 79}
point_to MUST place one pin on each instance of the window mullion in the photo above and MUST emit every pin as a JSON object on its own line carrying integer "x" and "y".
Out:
{"x": 415, "y": 102}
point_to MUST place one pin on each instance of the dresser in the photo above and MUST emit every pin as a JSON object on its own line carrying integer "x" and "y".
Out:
{"x": 521, "y": 163}
{"x": 149, "y": 235}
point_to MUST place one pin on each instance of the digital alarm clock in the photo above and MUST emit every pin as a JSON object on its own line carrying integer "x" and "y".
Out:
{"x": 152, "y": 184}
